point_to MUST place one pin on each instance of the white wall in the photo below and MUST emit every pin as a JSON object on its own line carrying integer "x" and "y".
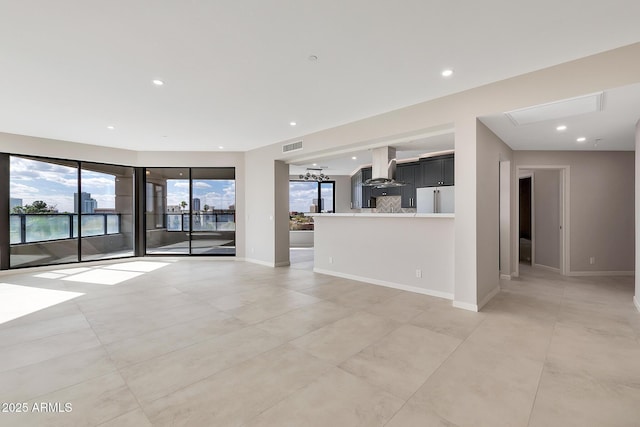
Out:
{"x": 546, "y": 189}
{"x": 636, "y": 298}
{"x": 601, "y": 210}
{"x": 387, "y": 251}
{"x": 506, "y": 184}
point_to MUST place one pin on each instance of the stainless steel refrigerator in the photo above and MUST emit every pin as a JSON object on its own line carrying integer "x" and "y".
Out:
{"x": 435, "y": 199}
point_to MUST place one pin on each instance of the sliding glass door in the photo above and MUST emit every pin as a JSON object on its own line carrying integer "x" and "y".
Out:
{"x": 64, "y": 211}
{"x": 106, "y": 207}
{"x": 190, "y": 211}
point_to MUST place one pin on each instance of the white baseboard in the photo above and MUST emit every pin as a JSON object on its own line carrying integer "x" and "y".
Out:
{"x": 400, "y": 286}
{"x": 546, "y": 267}
{"x": 505, "y": 276}
{"x": 465, "y": 306}
{"x": 495, "y": 291}
{"x": 636, "y": 303}
{"x": 601, "y": 273}
{"x": 257, "y": 261}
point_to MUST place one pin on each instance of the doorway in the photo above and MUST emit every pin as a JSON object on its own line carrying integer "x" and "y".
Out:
{"x": 525, "y": 235}
{"x": 543, "y": 217}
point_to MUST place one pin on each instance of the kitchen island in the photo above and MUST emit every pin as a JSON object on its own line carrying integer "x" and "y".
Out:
{"x": 408, "y": 251}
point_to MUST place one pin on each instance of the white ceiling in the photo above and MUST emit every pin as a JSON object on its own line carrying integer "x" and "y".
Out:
{"x": 237, "y": 72}
{"x": 611, "y": 128}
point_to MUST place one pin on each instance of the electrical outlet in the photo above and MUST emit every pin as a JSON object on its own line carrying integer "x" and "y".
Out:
{"x": 418, "y": 273}
{"x": 592, "y": 260}
{"x": 330, "y": 260}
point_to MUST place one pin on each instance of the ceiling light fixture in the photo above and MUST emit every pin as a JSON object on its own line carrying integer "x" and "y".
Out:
{"x": 158, "y": 82}
{"x": 221, "y": 147}
{"x": 111, "y": 127}
{"x": 354, "y": 158}
{"x": 314, "y": 174}
{"x": 447, "y": 73}
{"x": 292, "y": 123}
{"x": 581, "y": 139}
{"x": 561, "y": 128}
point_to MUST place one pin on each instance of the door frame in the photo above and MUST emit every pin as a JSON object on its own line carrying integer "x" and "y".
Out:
{"x": 565, "y": 223}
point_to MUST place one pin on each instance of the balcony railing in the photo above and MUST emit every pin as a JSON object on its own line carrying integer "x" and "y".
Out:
{"x": 216, "y": 221}
{"x": 31, "y": 228}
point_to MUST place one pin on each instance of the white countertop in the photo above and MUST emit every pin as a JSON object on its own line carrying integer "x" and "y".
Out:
{"x": 381, "y": 215}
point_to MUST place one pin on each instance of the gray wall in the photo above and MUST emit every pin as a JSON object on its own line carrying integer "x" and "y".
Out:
{"x": 546, "y": 198}
{"x": 491, "y": 150}
{"x": 601, "y": 207}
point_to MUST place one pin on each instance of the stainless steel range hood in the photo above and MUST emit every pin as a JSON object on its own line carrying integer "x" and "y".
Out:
{"x": 383, "y": 170}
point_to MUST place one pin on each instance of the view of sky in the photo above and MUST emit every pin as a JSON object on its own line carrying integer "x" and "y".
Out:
{"x": 54, "y": 184}
{"x": 302, "y": 194}
{"x": 218, "y": 193}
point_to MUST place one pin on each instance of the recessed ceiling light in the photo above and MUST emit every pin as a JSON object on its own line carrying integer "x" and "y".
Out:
{"x": 158, "y": 82}
{"x": 561, "y": 128}
{"x": 354, "y": 158}
{"x": 315, "y": 164}
{"x": 581, "y": 139}
{"x": 313, "y": 58}
{"x": 447, "y": 73}
{"x": 111, "y": 127}
{"x": 221, "y": 147}
{"x": 292, "y": 123}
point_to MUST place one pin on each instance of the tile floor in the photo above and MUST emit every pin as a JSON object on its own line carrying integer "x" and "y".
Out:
{"x": 201, "y": 342}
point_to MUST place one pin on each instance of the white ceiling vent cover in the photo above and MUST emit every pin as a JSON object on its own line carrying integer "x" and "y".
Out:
{"x": 293, "y": 146}
{"x": 557, "y": 110}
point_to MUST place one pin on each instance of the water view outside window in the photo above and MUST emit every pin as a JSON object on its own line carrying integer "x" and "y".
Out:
{"x": 309, "y": 197}
{"x": 46, "y": 211}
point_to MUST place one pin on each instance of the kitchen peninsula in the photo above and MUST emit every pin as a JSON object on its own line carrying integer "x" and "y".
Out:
{"x": 408, "y": 251}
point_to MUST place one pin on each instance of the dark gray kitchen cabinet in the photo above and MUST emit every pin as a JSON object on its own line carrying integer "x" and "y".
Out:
{"x": 437, "y": 171}
{"x": 366, "y": 190}
{"x": 407, "y": 172}
{"x": 361, "y": 194}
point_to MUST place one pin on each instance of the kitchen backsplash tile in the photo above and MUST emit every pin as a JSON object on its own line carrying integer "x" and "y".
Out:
{"x": 390, "y": 204}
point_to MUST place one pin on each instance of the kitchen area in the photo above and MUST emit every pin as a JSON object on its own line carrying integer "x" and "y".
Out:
{"x": 399, "y": 232}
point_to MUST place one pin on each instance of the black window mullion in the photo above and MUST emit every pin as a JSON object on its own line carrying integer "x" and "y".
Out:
{"x": 190, "y": 210}
{"x": 79, "y": 209}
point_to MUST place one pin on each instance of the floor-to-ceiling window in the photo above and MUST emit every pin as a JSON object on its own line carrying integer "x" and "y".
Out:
{"x": 190, "y": 211}
{"x": 106, "y": 208}
{"x": 65, "y": 211}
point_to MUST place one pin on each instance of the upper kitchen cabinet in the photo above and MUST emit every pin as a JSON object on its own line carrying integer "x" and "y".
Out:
{"x": 437, "y": 171}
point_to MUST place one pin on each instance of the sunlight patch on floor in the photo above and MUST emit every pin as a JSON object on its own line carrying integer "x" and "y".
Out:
{"x": 17, "y": 301}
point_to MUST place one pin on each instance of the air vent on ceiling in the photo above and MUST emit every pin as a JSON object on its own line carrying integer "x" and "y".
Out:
{"x": 557, "y": 110}
{"x": 293, "y": 146}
